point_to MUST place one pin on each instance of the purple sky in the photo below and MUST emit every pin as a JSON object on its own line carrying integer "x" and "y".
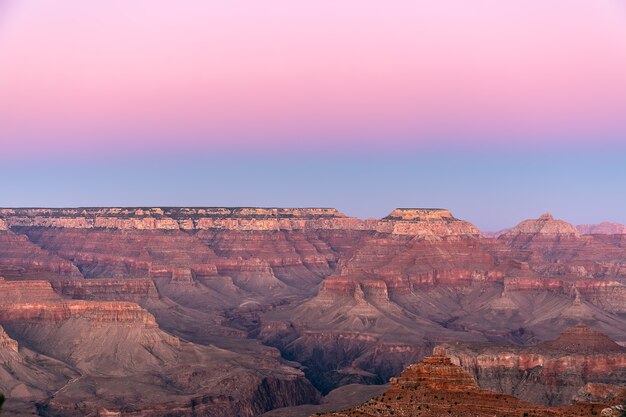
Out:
{"x": 292, "y": 99}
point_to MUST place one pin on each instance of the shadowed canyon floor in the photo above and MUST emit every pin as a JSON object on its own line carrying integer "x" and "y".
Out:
{"x": 238, "y": 311}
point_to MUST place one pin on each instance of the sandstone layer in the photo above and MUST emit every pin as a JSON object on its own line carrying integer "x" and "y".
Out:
{"x": 555, "y": 372}
{"x": 437, "y": 387}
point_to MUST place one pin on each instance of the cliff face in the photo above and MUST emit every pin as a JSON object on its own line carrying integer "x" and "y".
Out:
{"x": 432, "y": 223}
{"x": 550, "y": 373}
{"x": 7, "y": 345}
{"x": 253, "y": 395}
{"x": 21, "y": 259}
{"x": 101, "y": 312}
{"x": 180, "y": 218}
{"x": 436, "y": 386}
{"x": 546, "y": 225}
{"x": 37, "y": 300}
{"x": 134, "y": 290}
{"x": 371, "y": 317}
{"x": 609, "y": 295}
{"x": 554, "y": 248}
{"x": 26, "y": 291}
{"x": 435, "y": 373}
{"x": 118, "y": 350}
{"x": 26, "y": 376}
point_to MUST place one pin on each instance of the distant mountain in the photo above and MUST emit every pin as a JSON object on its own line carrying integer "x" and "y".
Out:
{"x": 604, "y": 228}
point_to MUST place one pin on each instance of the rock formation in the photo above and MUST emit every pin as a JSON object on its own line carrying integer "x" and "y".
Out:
{"x": 432, "y": 224}
{"x": 245, "y": 218}
{"x": 574, "y": 365}
{"x": 436, "y": 387}
{"x": 116, "y": 349}
{"x": 347, "y": 300}
{"x": 21, "y": 259}
{"x": 546, "y": 225}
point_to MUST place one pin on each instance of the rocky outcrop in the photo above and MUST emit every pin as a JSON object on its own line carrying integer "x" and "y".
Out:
{"x": 37, "y": 301}
{"x": 258, "y": 394}
{"x": 582, "y": 340}
{"x": 337, "y": 288}
{"x": 26, "y": 376}
{"x": 6, "y": 344}
{"x": 430, "y": 223}
{"x": 546, "y": 225}
{"x": 424, "y": 214}
{"x": 99, "y": 312}
{"x": 120, "y": 352}
{"x": 341, "y": 398}
{"x": 133, "y": 290}
{"x": 551, "y": 373}
{"x": 153, "y": 377}
{"x": 298, "y": 259}
{"x": 598, "y": 392}
{"x": 15, "y": 292}
{"x": 436, "y": 386}
{"x": 435, "y": 373}
{"x": 21, "y": 259}
{"x": 609, "y": 295}
{"x": 604, "y": 228}
{"x": 554, "y": 248}
{"x": 405, "y": 262}
{"x": 104, "y": 253}
{"x": 181, "y": 218}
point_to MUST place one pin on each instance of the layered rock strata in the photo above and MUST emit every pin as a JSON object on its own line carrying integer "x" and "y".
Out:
{"x": 97, "y": 356}
{"x": 351, "y": 300}
{"x": 556, "y": 372}
{"x": 433, "y": 223}
{"x": 436, "y": 387}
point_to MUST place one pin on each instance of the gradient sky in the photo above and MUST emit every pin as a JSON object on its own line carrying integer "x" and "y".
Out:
{"x": 498, "y": 110}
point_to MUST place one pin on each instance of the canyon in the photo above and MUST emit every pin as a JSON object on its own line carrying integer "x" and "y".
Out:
{"x": 238, "y": 311}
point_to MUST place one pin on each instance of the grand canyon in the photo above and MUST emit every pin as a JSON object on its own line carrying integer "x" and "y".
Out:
{"x": 354, "y": 208}
{"x": 231, "y": 312}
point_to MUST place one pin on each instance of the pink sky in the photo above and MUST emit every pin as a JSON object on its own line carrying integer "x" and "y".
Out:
{"x": 225, "y": 74}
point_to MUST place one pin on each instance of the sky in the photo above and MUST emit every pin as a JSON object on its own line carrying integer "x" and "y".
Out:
{"x": 497, "y": 110}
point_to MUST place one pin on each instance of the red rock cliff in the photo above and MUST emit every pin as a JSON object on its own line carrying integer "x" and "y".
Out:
{"x": 551, "y": 372}
{"x": 436, "y": 387}
{"x": 432, "y": 223}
